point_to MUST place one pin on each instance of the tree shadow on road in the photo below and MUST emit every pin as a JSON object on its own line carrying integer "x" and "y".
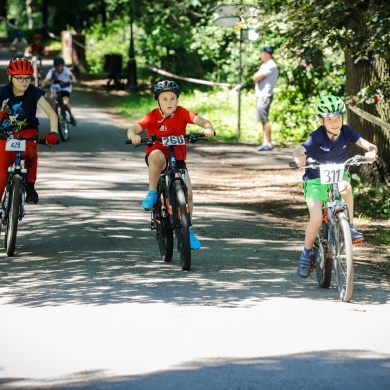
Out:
{"x": 77, "y": 253}
{"x": 272, "y": 372}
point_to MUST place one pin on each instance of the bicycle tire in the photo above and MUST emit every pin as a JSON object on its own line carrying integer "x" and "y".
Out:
{"x": 63, "y": 125}
{"x": 164, "y": 231}
{"x": 322, "y": 261}
{"x": 181, "y": 224}
{"x": 13, "y": 215}
{"x": 343, "y": 258}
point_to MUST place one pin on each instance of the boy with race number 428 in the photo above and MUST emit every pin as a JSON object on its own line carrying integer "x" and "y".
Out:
{"x": 19, "y": 100}
{"x": 330, "y": 143}
{"x": 166, "y": 120}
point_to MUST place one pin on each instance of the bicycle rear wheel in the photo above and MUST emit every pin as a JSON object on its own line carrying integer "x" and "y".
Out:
{"x": 63, "y": 125}
{"x": 343, "y": 259}
{"x": 11, "y": 227}
{"x": 322, "y": 261}
{"x": 181, "y": 224}
{"x": 164, "y": 231}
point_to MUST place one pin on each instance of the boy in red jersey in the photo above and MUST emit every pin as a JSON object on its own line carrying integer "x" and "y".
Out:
{"x": 168, "y": 119}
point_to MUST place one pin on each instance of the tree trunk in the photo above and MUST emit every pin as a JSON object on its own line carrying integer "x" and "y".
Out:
{"x": 359, "y": 75}
{"x": 3, "y": 8}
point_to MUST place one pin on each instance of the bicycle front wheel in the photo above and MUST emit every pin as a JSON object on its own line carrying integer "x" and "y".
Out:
{"x": 13, "y": 215}
{"x": 322, "y": 261}
{"x": 343, "y": 259}
{"x": 63, "y": 125}
{"x": 164, "y": 231}
{"x": 181, "y": 224}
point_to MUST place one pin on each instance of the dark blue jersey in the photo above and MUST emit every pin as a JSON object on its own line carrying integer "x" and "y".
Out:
{"x": 19, "y": 112}
{"x": 320, "y": 147}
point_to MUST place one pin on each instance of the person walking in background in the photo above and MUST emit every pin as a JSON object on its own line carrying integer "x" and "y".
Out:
{"x": 265, "y": 80}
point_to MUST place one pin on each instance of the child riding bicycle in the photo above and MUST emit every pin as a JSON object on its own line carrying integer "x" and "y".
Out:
{"x": 166, "y": 120}
{"x": 330, "y": 143}
{"x": 36, "y": 47}
{"x": 62, "y": 75}
{"x": 19, "y": 100}
{"x": 19, "y": 45}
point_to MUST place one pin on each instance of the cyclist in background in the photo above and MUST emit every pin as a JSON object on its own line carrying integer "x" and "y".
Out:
{"x": 19, "y": 45}
{"x": 330, "y": 143}
{"x": 168, "y": 119}
{"x": 36, "y": 47}
{"x": 18, "y": 106}
{"x": 62, "y": 75}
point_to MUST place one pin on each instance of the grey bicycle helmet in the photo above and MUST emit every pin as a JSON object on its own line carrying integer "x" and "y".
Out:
{"x": 164, "y": 86}
{"x": 328, "y": 106}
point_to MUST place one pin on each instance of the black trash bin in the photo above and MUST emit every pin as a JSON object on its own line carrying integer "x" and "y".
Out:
{"x": 113, "y": 68}
{"x": 113, "y": 63}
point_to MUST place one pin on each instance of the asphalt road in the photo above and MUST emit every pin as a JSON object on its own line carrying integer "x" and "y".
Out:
{"x": 87, "y": 304}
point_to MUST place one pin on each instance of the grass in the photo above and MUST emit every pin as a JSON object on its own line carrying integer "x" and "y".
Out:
{"x": 219, "y": 107}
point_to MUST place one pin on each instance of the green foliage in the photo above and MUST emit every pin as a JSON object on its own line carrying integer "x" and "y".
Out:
{"x": 110, "y": 38}
{"x": 181, "y": 38}
{"x": 374, "y": 200}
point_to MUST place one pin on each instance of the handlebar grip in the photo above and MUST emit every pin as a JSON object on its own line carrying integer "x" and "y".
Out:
{"x": 128, "y": 141}
{"x": 293, "y": 164}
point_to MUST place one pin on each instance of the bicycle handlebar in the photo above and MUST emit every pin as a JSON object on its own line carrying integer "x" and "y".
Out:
{"x": 192, "y": 137}
{"x": 314, "y": 164}
{"x": 37, "y": 139}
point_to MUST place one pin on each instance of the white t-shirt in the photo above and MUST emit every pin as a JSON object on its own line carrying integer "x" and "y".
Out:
{"x": 265, "y": 87}
{"x": 64, "y": 77}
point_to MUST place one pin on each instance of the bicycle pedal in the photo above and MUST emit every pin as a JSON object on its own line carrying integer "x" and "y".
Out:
{"x": 357, "y": 242}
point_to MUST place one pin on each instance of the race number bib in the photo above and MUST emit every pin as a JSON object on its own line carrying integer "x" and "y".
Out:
{"x": 15, "y": 145}
{"x": 331, "y": 173}
{"x": 173, "y": 140}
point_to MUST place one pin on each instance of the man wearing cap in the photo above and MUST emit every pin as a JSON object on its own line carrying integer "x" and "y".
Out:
{"x": 265, "y": 80}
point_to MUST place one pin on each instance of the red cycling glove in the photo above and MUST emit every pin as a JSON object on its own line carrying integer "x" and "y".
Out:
{"x": 52, "y": 138}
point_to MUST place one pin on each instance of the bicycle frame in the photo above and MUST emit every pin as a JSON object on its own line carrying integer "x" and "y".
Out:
{"x": 172, "y": 173}
{"x": 15, "y": 169}
{"x": 62, "y": 113}
{"x": 171, "y": 212}
{"x": 13, "y": 202}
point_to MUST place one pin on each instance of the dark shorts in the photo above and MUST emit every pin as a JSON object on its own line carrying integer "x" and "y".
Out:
{"x": 181, "y": 164}
{"x": 262, "y": 108}
{"x": 65, "y": 93}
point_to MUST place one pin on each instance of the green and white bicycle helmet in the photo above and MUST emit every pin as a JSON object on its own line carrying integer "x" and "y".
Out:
{"x": 328, "y": 106}
{"x": 164, "y": 86}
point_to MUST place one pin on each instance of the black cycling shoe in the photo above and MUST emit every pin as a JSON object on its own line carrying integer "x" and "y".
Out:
{"x": 304, "y": 266}
{"x": 31, "y": 194}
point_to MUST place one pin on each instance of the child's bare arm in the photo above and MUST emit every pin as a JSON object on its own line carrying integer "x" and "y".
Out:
{"x": 132, "y": 133}
{"x": 206, "y": 124}
{"x": 371, "y": 149}
{"x": 299, "y": 156}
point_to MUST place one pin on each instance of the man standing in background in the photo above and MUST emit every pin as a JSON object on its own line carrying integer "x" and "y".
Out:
{"x": 265, "y": 80}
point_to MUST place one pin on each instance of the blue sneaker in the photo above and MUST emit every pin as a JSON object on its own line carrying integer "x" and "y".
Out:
{"x": 356, "y": 236}
{"x": 150, "y": 200}
{"x": 194, "y": 242}
{"x": 304, "y": 266}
